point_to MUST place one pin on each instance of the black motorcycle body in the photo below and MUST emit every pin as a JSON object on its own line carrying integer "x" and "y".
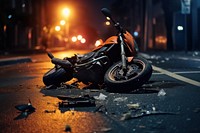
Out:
{"x": 115, "y": 63}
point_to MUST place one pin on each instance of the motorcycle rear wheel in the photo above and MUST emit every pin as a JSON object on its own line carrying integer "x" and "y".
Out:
{"x": 138, "y": 72}
{"x": 56, "y": 76}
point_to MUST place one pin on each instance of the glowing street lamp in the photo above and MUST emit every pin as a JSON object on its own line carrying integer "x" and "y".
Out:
{"x": 83, "y": 40}
{"x": 57, "y": 28}
{"x": 65, "y": 21}
{"x": 107, "y": 18}
{"x": 62, "y": 22}
{"x": 66, "y": 12}
{"x": 74, "y": 39}
{"x": 107, "y": 23}
{"x": 79, "y": 37}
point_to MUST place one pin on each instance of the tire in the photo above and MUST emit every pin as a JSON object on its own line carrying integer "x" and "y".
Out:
{"x": 139, "y": 72}
{"x": 55, "y": 76}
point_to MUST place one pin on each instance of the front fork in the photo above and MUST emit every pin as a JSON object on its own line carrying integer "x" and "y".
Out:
{"x": 123, "y": 56}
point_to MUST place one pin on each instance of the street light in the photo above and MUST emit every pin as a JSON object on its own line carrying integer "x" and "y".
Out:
{"x": 57, "y": 28}
{"x": 62, "y": 22}
{"x": 66, "y": 12}
{"x": 79, "y": 37}
{"x": 83, "y": 40}
{"x": 74, "y": 39}
{"x": 107, "y": 23}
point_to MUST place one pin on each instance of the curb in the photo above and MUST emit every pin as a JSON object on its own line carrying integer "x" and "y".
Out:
{"x": 15, "y": 60}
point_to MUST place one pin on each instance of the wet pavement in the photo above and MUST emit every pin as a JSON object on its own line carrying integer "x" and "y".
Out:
{"x": 167, "y": 103}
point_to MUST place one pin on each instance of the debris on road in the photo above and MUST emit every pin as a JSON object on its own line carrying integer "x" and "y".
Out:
{"x": 25, "y": 107}
{"x": 105, "y": 130}
{"x": 133, "y": 106}
{"x": 129, "y": 115}
{"x": 141, "y": 113}
{"x": 100, "y": 97}
{"x": 50, "y": 111}
{"x": 26, "y": 110}
{"x": 80, "y": 101}
{"x": 162, "y": 93}
{"x": 120, "y": 99}
{"x": 101, "y": 109}
{"x": 68, "y": 129}
{"x": 135, "y": 111}
{"x": 23, "y": 115}
{"x": 62, "y": 86}
{"x": 126, "y": 116}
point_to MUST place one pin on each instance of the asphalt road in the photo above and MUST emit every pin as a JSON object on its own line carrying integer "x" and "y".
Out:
{"x": 177, "y": 110}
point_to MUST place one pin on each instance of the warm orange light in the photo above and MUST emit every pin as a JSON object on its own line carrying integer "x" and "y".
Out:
{"x": 83, "y": 40}
{"x": 4, "y": 28}
{"x": 107, "y": 23}
{"x": 107, "y": 18}
{"x": 74, "y": 39}
{"x": 98, "y": 42}
{"x": 161, "y": 39}
{"x": 44, "y": 28}
{"x": 79, "y": 37}
{"x": 57, "y": 28}
{"x": 66, "y": 12}
{"x": 62, "y": 22}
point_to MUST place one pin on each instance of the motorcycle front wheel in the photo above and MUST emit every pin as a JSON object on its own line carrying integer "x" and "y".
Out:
{"x": 56, "y": 76}
{"x": 138, "y": 72}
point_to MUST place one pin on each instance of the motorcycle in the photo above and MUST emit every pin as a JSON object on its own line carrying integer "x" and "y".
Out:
{"x": 115, "y": 63}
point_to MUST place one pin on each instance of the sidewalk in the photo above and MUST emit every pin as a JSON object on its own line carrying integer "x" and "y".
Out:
{"x": 14, "y": 60}
{"x": 22, "y": 55}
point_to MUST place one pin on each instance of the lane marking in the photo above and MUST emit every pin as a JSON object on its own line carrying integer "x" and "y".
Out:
{"x": 176, "y": 76}
{"x": 184, "y": 72}
{"x": 184, "y": 58}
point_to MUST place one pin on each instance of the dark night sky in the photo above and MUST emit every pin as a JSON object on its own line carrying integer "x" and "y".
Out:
{"x": 85, "y": 11}
{"x": 94, "y": 12}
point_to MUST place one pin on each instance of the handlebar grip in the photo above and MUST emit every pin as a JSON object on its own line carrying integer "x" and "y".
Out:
{"x": 50, "y": 55}
{"x": 62, "y": 63}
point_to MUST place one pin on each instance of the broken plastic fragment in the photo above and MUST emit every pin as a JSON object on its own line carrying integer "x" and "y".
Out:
{"x": 143, "y": 113}
{"x": 100, "y": 97}
{"x": 102, "y": 109}
{"x": 106, "y": 129}
{"x": 133, "y": 106}
{"x": 25, "y": 107}
{"x": 120, "y": 99}
{"x": 50, "y": 111}
{"x": 161, "y": 93}
{"x": 126, "y": 116}
{"x": 68, "y": 129}
{"x": 153, "y": 108}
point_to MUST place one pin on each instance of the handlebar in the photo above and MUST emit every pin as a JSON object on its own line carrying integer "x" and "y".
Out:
{"x": 50, "y": 55}
{"x": 107, "y": 13}
{"x": 63, "y": 63}
{"x": 56, "y": 61}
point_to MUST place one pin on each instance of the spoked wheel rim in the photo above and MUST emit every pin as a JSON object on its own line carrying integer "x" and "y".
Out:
{"x": 133, "y": 71}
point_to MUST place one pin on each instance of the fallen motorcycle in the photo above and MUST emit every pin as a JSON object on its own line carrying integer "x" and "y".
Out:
{"x": 115, "y": 63}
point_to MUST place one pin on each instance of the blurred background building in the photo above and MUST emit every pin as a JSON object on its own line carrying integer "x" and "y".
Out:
{"x": 20, "y": 23}
{"x": 155, "y": 24}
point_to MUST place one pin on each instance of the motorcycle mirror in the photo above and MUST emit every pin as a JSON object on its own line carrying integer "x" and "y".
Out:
{"x": 106, "y": 12}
